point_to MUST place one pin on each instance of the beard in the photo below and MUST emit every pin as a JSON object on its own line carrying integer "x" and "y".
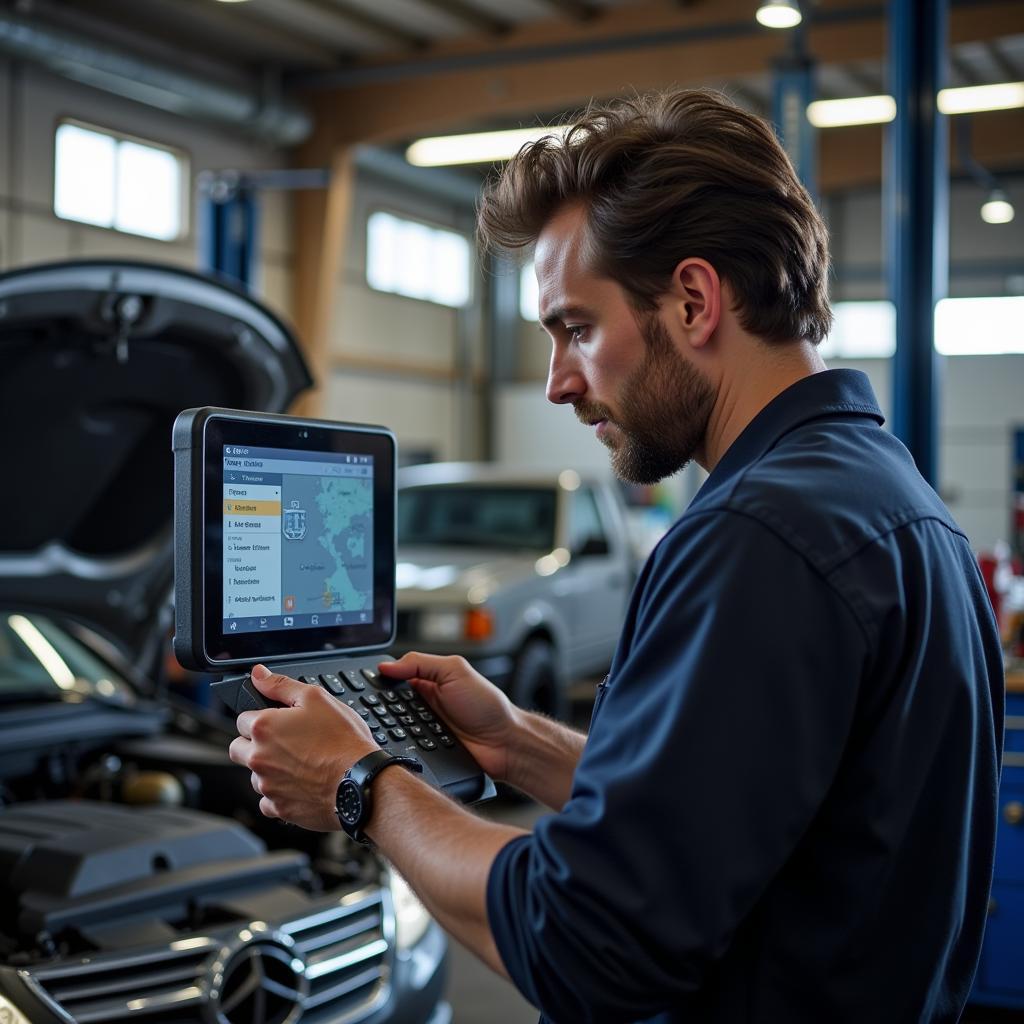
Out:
{"x": 664, "y": 408}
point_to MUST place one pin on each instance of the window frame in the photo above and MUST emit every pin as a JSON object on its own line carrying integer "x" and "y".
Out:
{"x": 182, "y": 156}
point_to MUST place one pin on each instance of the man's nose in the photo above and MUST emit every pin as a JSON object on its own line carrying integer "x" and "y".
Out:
{"x": 565, "y": 382}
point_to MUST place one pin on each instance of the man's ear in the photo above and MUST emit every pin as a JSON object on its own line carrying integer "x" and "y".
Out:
{"x": 696, "y": 298}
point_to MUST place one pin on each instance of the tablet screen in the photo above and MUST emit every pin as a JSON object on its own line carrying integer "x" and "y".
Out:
{"x": 298, "y": 538}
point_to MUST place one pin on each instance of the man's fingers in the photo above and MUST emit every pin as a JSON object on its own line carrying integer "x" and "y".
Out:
{"x": 277, "y": 687}
{"x": 434, "y": 667}
{"x": 239, "y": 750}
{"x": 267, "y": 808}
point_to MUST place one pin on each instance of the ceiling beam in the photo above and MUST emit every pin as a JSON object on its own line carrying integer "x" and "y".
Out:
{"x": 420, "y": 97}
{"x": 580, "y": 10}
{"x": 852, "y": 157}
{"x": 382, "y": 27}
{"x": 475, "y": 17}
{"x": 1007, "y": 68}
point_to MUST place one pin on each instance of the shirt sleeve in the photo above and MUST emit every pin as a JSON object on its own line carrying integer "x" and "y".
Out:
{"x": 715, "y": 743}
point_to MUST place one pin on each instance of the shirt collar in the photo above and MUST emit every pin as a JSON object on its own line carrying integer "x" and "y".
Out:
{"x": 829, "y": 393}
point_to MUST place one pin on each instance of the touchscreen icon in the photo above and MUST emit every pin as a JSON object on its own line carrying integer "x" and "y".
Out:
{"x": 263, "y": 623}
{"x": 294, "y": 522}
{"x": 233, "y": 626}
{"x": 289, "y": 602}
{"x": 316, "y": 620}
{"x": 288, "y": 620}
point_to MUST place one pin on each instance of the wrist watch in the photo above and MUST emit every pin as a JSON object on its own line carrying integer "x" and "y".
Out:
{"x": 353, "y": 803}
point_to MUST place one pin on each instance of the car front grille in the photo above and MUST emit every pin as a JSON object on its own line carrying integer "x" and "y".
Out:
{"x": 332, "y": 968}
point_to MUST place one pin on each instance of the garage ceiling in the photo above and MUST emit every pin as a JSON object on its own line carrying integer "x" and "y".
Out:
{"x": 297, "y": 45}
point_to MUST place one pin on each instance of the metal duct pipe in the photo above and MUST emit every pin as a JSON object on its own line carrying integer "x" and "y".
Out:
{"x": 155, "y": 85}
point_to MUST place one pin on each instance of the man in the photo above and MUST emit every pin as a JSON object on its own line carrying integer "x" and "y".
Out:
{"x": 785, "y": 807}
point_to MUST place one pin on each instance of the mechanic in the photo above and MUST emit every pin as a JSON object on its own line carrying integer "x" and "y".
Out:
{"x": 785, "y": 808}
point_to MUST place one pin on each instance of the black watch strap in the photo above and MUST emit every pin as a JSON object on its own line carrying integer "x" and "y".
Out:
{"x": 354, "y": 804}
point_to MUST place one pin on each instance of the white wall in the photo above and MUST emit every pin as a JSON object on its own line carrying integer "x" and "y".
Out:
{"x": 440, "y": 414}
{"x": 32, "y": 102}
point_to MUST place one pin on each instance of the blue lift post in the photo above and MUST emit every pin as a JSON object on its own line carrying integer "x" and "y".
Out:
{"x": 792, "y": 91}
{"x": 229, "y": 217}
{"x": 916, "y": 219}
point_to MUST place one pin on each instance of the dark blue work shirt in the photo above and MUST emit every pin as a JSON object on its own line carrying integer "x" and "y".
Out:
{"x": 785, "y": 810}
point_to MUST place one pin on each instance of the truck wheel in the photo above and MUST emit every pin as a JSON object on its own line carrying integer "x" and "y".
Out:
{"x": 535, "y": 683}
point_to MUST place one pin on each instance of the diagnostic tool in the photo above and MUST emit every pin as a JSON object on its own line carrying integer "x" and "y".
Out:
{"x": 284, "y": 553}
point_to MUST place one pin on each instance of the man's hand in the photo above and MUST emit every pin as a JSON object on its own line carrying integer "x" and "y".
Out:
{"x": 298, "y": 754}
{"x": 482, "y": 717}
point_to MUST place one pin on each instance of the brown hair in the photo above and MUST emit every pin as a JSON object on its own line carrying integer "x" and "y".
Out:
{"x": 669, "y": 175}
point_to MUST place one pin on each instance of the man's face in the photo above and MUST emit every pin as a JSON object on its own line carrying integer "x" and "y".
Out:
{"x": 621, "y": 372}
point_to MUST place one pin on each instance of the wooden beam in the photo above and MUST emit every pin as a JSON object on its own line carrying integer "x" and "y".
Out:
{"x": 689, "y": 49}
{"x": 852, "y": 157}
{"x": 321, "y": 235}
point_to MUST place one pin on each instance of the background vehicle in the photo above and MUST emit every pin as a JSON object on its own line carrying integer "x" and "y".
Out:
{"x": 526, "y": 573}
{"x": 137, "y": 879}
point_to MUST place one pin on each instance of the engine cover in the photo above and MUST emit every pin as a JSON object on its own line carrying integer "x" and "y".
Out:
{"x": 79, "y": 862}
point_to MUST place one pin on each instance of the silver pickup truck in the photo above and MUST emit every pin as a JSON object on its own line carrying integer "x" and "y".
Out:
{"x": 524, "y": 572}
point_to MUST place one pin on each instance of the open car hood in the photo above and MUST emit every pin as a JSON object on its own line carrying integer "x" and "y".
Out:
{"x": 98, "y": 357}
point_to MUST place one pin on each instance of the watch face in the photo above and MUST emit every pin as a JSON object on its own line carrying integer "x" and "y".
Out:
{"x": 350, "y": 802}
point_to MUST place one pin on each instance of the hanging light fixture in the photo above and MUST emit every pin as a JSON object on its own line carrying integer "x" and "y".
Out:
{"x": 779, "y": 13}
{"x": 997, "y": 209}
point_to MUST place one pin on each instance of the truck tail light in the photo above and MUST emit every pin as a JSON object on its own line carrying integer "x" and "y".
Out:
{"x": 479, "y": 624}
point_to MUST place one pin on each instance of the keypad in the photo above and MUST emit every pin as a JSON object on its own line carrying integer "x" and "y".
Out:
{"x": 332, "y": 683}
{"x": 353, "y": 678}
{"x": 397, "y": 717}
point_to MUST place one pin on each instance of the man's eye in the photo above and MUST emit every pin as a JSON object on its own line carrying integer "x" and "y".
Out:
{"x": 576, "y": 332}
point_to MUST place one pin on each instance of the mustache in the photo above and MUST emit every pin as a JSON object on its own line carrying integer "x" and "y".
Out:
{"x": 590, "y": 412}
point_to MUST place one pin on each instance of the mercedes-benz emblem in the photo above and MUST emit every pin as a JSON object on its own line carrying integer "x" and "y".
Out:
{"x": 262, "y": 985}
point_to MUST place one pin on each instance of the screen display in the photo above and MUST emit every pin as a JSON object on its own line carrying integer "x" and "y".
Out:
{"x": 298, "y": 539}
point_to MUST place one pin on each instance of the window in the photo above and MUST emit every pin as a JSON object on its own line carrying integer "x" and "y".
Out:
{"x": 408, "y": 258}
{"x": 529, "y": 293}
{"x": 113, "y": 181}
{"x": 586, "y": 534}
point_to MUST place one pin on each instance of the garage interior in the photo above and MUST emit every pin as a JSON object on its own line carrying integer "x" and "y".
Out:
{"x": 278, "y": 147}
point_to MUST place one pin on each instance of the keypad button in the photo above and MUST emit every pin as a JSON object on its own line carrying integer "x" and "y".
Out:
{"x": 311, "y": 680}
{"x": 426, "y": 716}
{"x": 427, "y": 744}
{"x": 381, "y": 736}
{"x": 387, "y": 720}
{"x": 407, "y": 693}
{"x": 371, "y": 675}
{"x": 407, "y": 719}
{"x": 371, "y": 700}
{"x": 353, "y": 678}
{"x": 333, "y": 683}
{"x": 397, "y": 708}
{"x": 358, "y": 708}
{"x": 417, "y": 705}
{"x": 436, "y": 728}
{"x": 390, "y": 696}
{"x": 398, "y": 733}
{"x": 446, "y": 740}
{"x": 417, "y": 730}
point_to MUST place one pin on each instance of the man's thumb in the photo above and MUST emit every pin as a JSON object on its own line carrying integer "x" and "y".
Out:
{"x": 277, "y": 687}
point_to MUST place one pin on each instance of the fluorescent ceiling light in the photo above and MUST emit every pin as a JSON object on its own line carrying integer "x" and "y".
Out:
{"x": 481, "y": 148}
{"x": 997, "y": 209}
{"x": 973, "y": 98}
{"x": 857, "y": 110}
{"x": 779, "y": 14}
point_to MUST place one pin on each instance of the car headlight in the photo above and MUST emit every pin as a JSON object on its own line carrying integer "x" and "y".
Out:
{"x": 455, "y": 625}
{"x": 10, "y": 1014}
{"x": 411, "y": 917}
